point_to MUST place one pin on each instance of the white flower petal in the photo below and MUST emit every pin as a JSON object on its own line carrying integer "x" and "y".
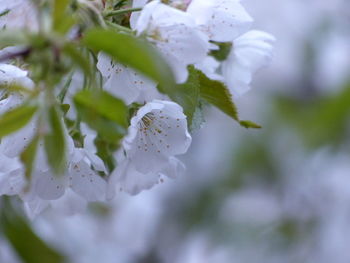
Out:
{"x": 175, "y": 34}
{"x": 144, "y": 18}
{"x": 12, "y": 183}
{"x": 174, "y": 168}
{"x": 250, "y": 52}
{"x": 12, "y": 180}
{"x": 85, "y": 182}
{"x": 35, "y": 206}
{"x": 48, "y": 186}
{"x": 221, "y": 20}
{"x": 15, "y": 143}
{"x": 69, "y": 204}
{"x": 135, "y": 15}
{"x": 124, "y": 82}
{"x": 22, "y": 14}
{"x": 126, "y": 178}
{"x": 9, "y": 72}
{"x": 158, "y": 131}
{"x": 209, "y": 66}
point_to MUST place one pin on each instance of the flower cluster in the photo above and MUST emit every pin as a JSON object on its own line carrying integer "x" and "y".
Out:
{"x": 54, "y": 151}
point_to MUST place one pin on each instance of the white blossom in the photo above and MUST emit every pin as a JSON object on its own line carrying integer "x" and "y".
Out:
{"x": 12, "y": 179}
{"x": 125, "y": 83}
{"x": 221, "y": 20}
{"x": 157, "y": 132}
{"x": 175, "y": 34}
{"x": 81, "y": 177}
{"x": 128, "y": 179}
{"x": 13, "y": 144}
{"x": 210, "y": 67}
{"x": 135, "y": 15}
{"x": 179, "y": 4}
{"x": 10, "y": 74}
{"x": 68, "y": 204}
{"x": 19, "y": 14}
{"x": 249, "y": 53}
{"x": 184, "y": 32}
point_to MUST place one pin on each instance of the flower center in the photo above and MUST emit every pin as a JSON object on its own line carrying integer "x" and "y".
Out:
{"x": 153, "y": 132}
{"x": 147, "y": 121}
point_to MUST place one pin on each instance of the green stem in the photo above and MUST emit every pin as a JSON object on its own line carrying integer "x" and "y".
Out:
{"x": 118, "y": 27}
{"x": 121, "y": 11}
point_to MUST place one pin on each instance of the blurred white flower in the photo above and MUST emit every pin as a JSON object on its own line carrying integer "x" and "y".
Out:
{"x": 126, "y": 178}
{"x": 13, "y": 144}
{"x": 68, "y": 193}
{"x": 135, "y": 15}
{"x": 81, "y": 177}
{"x": 12, "y": 74}
{"x": 12, "y": 179}
{"x": 18, "y": 14}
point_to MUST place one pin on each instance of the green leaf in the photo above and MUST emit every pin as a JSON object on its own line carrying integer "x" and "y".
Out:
{"x": 103, "y": 113}
{"x": 120, "y": 4}
{"x": 134, "y": 52}
{"x": 55, "y": 144}
{"x": 28, "y": 156}
{"x": 187, "y": 94}
{"x": 106, "y": 150}
{"x": 15, "y": 119}
{"x": 249, "y": 124}
{"x": 61, "y": 21}
{"x": 28, "y": 246}
{"x": 223, "y": 52}
{"x": 217, "y": 94}
{"x": 58, "y": 10}
{"x": 198, "y": 118}
{"x": 103, "y": 104}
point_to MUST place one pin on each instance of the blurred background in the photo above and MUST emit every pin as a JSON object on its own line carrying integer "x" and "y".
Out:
{"x": 279, "y": 194}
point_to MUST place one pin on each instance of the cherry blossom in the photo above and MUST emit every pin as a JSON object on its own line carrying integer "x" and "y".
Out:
{"x": 221, "y": 20}
{"x": 15, "y": 143}
{"x": 157, "y": 132}
{"x": 126, "y": 83}
{"x": 12, "y": 179}
{"x": 12, "y": 74}
{"x": 185, "y": 32}
{"x": 18, "y": 14}
{"x": 81, "y": 177}
{"x": 175, "y": 34}
{"x": 128, "y": 179}
{"x": 250, "y": 52}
